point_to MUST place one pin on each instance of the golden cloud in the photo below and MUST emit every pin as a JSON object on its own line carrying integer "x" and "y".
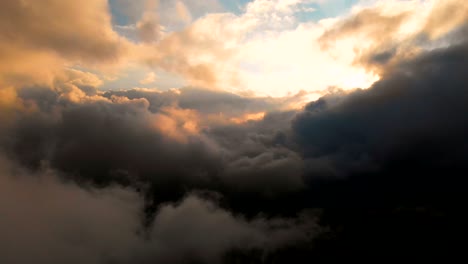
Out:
{"x": 37, "y": 38}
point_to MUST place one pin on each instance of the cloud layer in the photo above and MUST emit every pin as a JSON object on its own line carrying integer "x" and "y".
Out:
{"x": 213, "y": 174}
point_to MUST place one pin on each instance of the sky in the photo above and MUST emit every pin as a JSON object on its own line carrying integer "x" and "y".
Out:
{"x": 215, "y": 131}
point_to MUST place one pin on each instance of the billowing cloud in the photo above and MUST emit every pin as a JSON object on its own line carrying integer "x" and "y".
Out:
{"x": 54, "y": 33}
{"x": 47, "y": 220}
{"x": 74, "y": 30}
{"x": 138, "y": 135}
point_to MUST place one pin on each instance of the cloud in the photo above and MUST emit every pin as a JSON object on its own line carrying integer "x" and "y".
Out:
{"x": 148, "y": 28}
{"x": 214, "y": 106}
{"x": 387, "y": 32}
{"x": 263, "y": 29}
{"x": 48, "y": 220}
{"x": 76, "y": 31}
{"x": 247, "y": 148}
{"x": 142, "y": 136}
{"x": 445, "y": 16}
{"x": 171, "y": 14}
{"x": 180, "y": 227}
{"x": 56, "y": 34}
{"x": 368, "y": 22}
{"x": 150, "y": 78}
{"x": 191, "y": 53}
{"x": 404, "y": 133}
{"x": 140, "y": 175}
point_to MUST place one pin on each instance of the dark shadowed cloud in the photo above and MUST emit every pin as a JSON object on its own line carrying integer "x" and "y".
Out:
{"x": 48, "y": 220}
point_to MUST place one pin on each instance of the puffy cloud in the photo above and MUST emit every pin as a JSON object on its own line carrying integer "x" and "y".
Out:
{"x": 48, "y": 220}
{"x": 260, "y": 148}
{"x": 171, "y": 140}
{"x": 256, "y": 147}
{"x": 73, "y": 30}
{"x": 57, "y": 34}
{"x": 180, "y": 227}
{"x": 45, "y": 220}
{"x": 192, "y": 52}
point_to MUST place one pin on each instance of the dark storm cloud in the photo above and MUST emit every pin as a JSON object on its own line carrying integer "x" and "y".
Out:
{"x": 388, "y": 164}
{"x": 405, "y": 136}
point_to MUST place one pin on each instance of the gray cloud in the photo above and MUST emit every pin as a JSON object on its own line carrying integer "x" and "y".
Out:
{"x": 407, "y": 130}
{"x": 205, "y": 101}
{"x": 46, "y": 220}
{"x": 181, "y": 227}
{"x": 130, "y": 136}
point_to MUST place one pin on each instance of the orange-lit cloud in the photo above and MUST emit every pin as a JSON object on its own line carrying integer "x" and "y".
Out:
{"x": 75, "y": 30}
{"x": 380, "y": 35}
{"x": 178, "y": 124}
{"x": 445, "y": 16}
{"x": 7, "y": 103}
{"x": 193, "y": 53}
{"x": 39, "y": 38}
{"x": 248, "y": 117}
